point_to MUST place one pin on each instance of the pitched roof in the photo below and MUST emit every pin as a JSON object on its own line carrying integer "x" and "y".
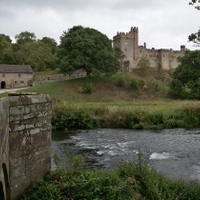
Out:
{"x": 15, "y": 69}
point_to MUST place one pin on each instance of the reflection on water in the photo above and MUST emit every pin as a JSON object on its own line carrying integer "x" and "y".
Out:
{"x": 174, "y": 152}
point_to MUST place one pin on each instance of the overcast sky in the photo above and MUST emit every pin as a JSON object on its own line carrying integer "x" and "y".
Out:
{"x": 161, "y": 23}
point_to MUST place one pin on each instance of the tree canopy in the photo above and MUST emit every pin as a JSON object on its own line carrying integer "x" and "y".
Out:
{"x": 7, "y": 56}
{"x": 88, "y": 49}
{"x": 195, "y": 37}
{"x": 196, "y": 3}
{"x": 186, "y": 77}
{"x": 37, "y": 54}
{"x": 143, "y": 65}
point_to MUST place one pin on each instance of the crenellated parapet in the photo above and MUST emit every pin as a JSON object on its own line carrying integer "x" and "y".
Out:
{"x": 128, "y": 42}
{"x": 131, "y": 33}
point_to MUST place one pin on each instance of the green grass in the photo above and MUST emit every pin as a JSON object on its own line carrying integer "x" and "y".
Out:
{"x": 104, "y": 101}
{"x": 5, "y": 94}
{"x": 105, "y": 89}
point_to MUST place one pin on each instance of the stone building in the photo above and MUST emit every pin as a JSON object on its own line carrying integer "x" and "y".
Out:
{"x": 128, "y": 43}
{"x": 14, "y": 76}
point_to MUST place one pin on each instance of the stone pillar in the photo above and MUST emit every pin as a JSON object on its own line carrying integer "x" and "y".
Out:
{"x": 29, "y": 139}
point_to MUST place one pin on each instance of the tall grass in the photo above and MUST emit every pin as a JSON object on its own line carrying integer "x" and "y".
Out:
{"x": 136, "y": 116}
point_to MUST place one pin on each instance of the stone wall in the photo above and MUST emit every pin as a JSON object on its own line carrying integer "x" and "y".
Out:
{"x": 58, "y": 77}
{"x": 25, "y": 141}
{"x": 29, "y": 139}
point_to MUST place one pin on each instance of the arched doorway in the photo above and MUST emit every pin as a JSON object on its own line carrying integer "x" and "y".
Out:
{"x": 2, "y": 197}
{"x": 3, "y": 85}
{"x": 5, "y": 172}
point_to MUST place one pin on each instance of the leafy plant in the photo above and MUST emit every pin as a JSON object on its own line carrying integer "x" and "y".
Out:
{"x": 64, "y": 117}
{"x": 87, "y": 88}
{"x": 121, "y": 82}
{"x": 133, "y": 84}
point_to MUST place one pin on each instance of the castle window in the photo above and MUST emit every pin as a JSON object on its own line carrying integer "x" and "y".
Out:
{"x": 19, "y": 75}
{"x": 3, "y": 75}
{"x": 15, "y": 82}
{"x": 21, "y": 81}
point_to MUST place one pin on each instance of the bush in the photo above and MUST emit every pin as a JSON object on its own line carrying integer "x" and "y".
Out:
{"x": 87, "y": 88}
{"x": 121, "y": 82}
{"x": 155, "y": 119}
{"x": 132, "y": 119}
{"x": 133, "y": 84}
{"x": 64, "y": 117}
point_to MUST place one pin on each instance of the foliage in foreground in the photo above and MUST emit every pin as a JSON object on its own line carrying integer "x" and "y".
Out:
{"x": 134, "y": 180}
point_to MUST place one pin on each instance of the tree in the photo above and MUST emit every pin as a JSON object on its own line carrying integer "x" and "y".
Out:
{"x": 37, "y": 54}
{"x": 88, "y": 49}
{"x": 51, "y": 42}
{"x": 196, "y": 3}
{"x": 195, "y": 37}
{"x": 7, "y": 55}
{"x": 143, "y": 65}
{"x": 186, "y": 77}
{"x": 24, "y": 37}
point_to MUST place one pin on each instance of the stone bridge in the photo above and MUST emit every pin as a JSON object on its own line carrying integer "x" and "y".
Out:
{"x": 25, "y": 142}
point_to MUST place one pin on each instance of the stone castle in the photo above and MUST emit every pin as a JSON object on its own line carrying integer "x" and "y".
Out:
{"x": 128, "y": 43}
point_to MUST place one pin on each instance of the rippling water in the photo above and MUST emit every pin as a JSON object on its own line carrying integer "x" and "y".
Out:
{"x": 174, "y": 152}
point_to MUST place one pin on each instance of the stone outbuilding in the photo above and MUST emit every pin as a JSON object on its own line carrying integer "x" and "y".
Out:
{"x": 15, "y": 76}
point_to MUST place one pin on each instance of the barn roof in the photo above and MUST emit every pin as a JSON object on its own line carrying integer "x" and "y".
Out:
{"x": 15, "y": 69}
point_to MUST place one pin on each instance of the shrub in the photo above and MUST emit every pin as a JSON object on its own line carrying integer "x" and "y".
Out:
{"x": 64, "y": 117}
{"x": 155, "y": 119}
{"x": 133, "y": 84}
{"x": 121, "y": 82}
{"x": 86, "y": 88}
{"x": 132, "y": 119}
{"x": 141, "y": 83}
{"x": 191, "y": 120}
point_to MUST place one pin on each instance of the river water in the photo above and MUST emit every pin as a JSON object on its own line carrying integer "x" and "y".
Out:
{"x": 173, "y": 152}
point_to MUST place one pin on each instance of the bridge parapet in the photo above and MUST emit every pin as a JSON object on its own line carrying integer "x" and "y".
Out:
{"x": 26, "y": 129}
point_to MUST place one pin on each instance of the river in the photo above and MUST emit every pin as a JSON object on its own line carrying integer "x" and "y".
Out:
{"x": 173, "y": 152}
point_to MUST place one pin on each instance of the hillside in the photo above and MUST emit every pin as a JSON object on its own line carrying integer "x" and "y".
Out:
{"x": 122, "y": 87}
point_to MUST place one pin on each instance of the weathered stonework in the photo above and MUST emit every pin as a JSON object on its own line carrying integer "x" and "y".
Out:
{"x": 25, "y": 141}
{"x": 58, "y": 77}
{"x": 128, "y": 43}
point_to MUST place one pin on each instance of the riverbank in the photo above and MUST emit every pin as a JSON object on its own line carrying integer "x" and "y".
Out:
{"x": 134, "y": 180}
{"x": 154, "y": 115}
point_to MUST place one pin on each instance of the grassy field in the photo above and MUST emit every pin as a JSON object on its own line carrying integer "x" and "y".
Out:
{"x": 123, "y": 100}
{"x": 150, "y": 94}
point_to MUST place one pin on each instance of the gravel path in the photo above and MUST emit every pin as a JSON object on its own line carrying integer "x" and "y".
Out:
{"x": 11, "y": 90}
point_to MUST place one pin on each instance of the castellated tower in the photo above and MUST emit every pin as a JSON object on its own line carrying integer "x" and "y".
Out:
{"x": 128, "y": 43}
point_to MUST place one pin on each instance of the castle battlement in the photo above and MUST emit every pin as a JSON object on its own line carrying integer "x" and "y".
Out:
{"x": 127, "y": 34}
{"x": 128, "y": 42}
